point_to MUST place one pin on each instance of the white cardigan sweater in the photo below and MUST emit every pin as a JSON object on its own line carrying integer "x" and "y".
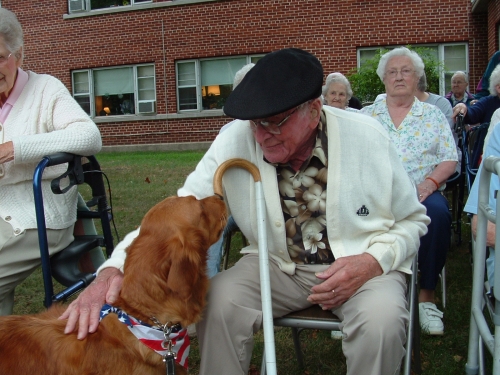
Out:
{"x": 44, "y": 120}
{"x": 363, "y": 170}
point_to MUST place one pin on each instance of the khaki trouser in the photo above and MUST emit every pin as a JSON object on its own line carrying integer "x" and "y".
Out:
{"x": 20, "y": 256}
{"x": 373, "y": 319}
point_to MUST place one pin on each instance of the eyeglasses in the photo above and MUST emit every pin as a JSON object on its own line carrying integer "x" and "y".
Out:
{"x": 406, "y": 72}
{"x": 4, "y": 60}
{"x": 271, "y": 127}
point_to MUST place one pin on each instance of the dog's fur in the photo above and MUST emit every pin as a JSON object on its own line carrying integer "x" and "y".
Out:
{"x": 164, "y": 277}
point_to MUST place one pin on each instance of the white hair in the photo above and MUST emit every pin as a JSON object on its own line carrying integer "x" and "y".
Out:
{"x": 240, "y": 74}
{"x": 339, "y": 78}
{"x": 494, "y": 80}
{"x": 417, "y": 61}
{"x": 460, "y": 73}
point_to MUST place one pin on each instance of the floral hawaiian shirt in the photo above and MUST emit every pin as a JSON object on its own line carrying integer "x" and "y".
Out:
{"x": 423, "y": 140}
{"x": 303, "y": 200}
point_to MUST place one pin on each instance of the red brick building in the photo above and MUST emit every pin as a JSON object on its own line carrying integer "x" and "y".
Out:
{"x": 156, "y": 71}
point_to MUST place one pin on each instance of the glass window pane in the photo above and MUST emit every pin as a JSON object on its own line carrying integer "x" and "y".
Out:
{"x": 146, "y": 71}
{"x": 113, "y": 81}
{"x": 81, "y": 82}
{"x": 186, "y": 74}
{"x": 84, "y": 102}
{"x": 114, "y": 105}
{"x": 455, "y": 57}
{"x": 99, "y": 4}
{"x": 221, "y": 71}
{"x": 254, "y": 59}
{"x": 187, "y": 98}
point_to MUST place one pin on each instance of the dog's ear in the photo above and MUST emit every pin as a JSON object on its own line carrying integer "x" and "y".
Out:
{"x": 188, "y": 262}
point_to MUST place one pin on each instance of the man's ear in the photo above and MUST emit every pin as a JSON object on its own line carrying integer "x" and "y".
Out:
{"x": 315, "y": 112}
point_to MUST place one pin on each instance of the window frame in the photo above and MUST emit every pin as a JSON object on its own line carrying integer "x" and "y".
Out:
{"x": 135, "y": 77}
{"x": 198, "y": 79}
{"x": 78, "y": 6}
{"x": 441, "y": 58}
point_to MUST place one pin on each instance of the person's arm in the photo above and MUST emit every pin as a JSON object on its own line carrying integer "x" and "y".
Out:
{"x": 438, "y": 177}
{"x": 63, "y": 127}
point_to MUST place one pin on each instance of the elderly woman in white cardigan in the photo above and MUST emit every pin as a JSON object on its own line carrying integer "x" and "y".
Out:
{"x": 38, "y": 116}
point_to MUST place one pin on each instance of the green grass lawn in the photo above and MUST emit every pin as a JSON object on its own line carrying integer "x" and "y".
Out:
{"x": 141, "y": 179}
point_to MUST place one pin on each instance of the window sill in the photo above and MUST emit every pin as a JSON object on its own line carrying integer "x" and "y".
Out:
{"x": 132, "y": 8}
{"x": 171, "y": 116}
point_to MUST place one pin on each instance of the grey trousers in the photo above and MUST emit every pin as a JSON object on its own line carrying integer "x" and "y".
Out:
{"x": 20, "y": 256}
{"x": 373, "y": 319}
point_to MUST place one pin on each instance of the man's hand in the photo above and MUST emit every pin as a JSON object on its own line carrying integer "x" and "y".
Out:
{"x": 85, "y": 310}
{"x": 342, "y": 279}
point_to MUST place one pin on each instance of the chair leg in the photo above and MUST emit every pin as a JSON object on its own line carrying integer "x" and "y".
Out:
{"x": 443, "y": 285}
{"x": 298, "y": 349}
{"x": 416, "y": 338}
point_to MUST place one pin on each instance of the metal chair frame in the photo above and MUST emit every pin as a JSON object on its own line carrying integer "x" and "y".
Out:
{"x": 480, "y": 333}
{"x": 63, "y": 265}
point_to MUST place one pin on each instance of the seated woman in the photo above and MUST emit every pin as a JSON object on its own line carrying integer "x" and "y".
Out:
{"x": 39, "y": 117}
{"x": 427, "y": 150}
{"x": 337, "y": 91}
{"x": 483, "y": 109}
{"x": 459, "y": 93}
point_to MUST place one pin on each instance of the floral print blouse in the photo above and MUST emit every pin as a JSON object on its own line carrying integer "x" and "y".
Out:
{"x": 423, "y": 140}
{"x": 303, "y": 200}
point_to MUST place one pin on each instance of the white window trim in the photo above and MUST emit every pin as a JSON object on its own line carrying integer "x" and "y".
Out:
{"x": 440, "y": 48}
{"x": 136, "y": 89}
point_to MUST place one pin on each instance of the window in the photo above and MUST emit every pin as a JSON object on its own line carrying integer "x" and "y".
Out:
{"x": 205, "y": 84}
{"x": 87, "y": 5}
{"x": 454, "y": 56}
{"x": 116, "y": 91}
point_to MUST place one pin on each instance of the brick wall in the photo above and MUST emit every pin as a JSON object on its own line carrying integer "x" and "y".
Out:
{"x": 332, "y": 30}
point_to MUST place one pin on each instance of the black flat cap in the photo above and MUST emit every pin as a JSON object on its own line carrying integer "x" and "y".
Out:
{"x": 280, "y": 81}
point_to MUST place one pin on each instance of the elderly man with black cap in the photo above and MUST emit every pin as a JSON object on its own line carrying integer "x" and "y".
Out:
{"x": 343, "y": 222}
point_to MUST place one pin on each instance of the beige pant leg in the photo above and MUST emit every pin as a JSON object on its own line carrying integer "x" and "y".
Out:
{"x": 374, "y": 325}
{"x": 234, "y": 313}
{"x": 20, "y": 256}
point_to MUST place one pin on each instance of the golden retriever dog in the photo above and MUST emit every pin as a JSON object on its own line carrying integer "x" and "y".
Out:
{"x": 164, "y": 285}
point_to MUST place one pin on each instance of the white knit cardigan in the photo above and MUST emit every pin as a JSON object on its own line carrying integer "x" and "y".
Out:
{"x": 363, "y": 170}
{"x": 44, "y": 120}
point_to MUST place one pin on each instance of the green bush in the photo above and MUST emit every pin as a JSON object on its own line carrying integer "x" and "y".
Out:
{"x": 366, "y": 84}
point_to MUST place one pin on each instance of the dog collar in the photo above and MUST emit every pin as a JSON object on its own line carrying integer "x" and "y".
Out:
{"x": 172, "y": 342}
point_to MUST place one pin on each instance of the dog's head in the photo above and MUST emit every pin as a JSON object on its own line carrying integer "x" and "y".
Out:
{"x": 165, "y": 269}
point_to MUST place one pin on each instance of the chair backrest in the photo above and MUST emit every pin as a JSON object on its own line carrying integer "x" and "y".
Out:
{"x": 64, "y": 265}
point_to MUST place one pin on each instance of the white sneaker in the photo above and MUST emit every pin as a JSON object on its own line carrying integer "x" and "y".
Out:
{"x": 430, "y": 318}
{"x": 337, "y": 335}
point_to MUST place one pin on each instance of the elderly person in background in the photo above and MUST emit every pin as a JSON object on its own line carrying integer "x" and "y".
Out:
{"x": 482, "y": 111}
{"x": 427, "y": 150}
{"x": 445, "y": 107}
{"x": 337, "y": 91}
{"x": 459, "y": 93}
{"x": 39, "y": 117}
{"x": 343, "y": 223}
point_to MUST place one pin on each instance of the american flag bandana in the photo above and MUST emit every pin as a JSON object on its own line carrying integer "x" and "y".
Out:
{"x": 153, "y": 337}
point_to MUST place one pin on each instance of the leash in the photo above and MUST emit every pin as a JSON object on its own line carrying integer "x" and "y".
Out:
{"x": 171, "y": 341}
{"x": 170, "y": 355}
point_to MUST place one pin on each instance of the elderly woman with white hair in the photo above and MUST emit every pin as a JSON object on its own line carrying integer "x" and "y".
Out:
{"x": 425, "y": 145}
{"x": 337, "y": 91}
{"x": 482, "y": 110}
{"x": 39, "y": 117}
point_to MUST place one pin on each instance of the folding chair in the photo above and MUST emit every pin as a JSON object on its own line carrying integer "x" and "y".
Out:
{"x": 63, "y": 266}
{"x": 480, "y": 332}
{"x": 313, "y": 317}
